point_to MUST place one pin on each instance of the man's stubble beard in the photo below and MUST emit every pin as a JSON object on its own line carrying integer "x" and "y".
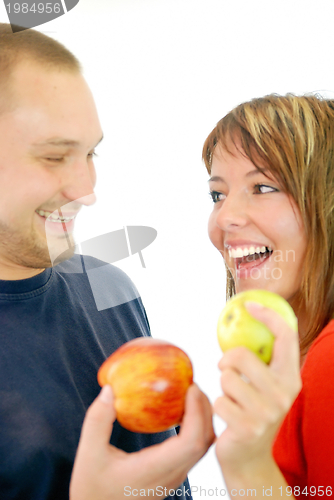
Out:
{"x": 32, "y": 250}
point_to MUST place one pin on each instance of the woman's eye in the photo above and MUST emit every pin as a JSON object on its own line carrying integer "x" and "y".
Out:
{"x": 262, "y": 188}
{"x": 215, "y": 196}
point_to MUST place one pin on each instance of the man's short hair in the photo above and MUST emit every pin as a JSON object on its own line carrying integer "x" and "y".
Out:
{"x": 30, "y": 45}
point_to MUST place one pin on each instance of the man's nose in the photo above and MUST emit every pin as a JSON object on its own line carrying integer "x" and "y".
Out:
{"x": 80, "y": 183}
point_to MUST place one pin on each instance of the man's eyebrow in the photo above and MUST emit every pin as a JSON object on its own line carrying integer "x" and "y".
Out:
{"x": 59, "y": 141}
{"x": 251, "y": 173}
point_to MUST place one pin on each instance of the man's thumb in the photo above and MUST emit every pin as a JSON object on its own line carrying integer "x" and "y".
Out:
{"x": 98, "y": 422}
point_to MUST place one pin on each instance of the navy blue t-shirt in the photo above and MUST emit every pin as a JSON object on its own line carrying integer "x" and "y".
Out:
{"x": 56, "y": 330}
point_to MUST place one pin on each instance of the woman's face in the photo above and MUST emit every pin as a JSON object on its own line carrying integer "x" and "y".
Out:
{"x": 251, "y": 214}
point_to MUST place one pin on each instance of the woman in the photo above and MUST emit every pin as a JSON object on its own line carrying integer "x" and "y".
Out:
{"x": 271, "y": 166}
{"x": 279, "y": 437}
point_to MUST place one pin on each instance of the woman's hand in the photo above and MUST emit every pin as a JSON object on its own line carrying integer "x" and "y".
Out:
{"x": 103, "y": 472}
{"x": 256, "y": 397}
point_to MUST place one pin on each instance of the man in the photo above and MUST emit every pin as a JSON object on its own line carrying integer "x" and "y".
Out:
{"x": 53, "y": 336}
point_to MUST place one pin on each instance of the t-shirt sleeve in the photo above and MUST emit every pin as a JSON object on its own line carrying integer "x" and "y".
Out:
{"x": 318, "y": 412}
{"x": 304, "y": 445}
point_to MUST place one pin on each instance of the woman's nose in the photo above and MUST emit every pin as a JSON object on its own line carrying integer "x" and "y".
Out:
{"x": 232, "y": 212}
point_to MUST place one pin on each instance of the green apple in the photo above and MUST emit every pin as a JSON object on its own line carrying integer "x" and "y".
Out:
{"x": 237, "y": 327}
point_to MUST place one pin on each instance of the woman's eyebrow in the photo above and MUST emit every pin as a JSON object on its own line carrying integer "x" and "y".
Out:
{"x": 249, "y": 174}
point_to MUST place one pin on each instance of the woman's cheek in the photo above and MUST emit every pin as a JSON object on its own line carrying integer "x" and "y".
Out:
{"x": 216, "y": 235}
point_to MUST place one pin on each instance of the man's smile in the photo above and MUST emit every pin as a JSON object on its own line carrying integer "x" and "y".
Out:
{"x": 53, "y": 217}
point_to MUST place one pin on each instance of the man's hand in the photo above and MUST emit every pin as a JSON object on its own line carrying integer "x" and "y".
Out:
{"x": 102, "y": 471}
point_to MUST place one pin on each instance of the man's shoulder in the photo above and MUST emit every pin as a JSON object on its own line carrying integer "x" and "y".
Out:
{"x": 110, "y": 285}
{"x": 82, "y": 264}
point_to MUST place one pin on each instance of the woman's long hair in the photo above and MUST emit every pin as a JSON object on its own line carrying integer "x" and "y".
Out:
{"x": 294, "y": 137}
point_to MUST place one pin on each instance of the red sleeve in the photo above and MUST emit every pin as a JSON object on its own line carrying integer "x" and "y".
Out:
{"x": 304, "y": 447}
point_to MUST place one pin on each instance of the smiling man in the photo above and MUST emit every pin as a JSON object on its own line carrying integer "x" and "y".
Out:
{"x": 53, "y": 338}
{"x": 48, "y": 135}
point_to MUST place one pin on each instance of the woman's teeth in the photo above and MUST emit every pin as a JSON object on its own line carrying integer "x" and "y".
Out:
{"x": 236, "y": 253}
{"x": 53, "y": 217}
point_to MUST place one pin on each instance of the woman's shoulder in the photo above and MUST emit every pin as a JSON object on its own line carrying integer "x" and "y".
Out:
{"x": 324, "y": 339}
{"x": 319, "y": 359}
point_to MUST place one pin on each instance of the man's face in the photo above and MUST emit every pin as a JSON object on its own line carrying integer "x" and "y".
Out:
{"x": 47, "y": 144}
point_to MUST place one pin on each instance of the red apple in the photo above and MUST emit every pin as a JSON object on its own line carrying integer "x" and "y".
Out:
{"x": 149, "y": 378}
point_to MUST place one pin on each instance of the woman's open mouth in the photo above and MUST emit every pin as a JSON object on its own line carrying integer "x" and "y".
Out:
{"x": 253, "y": 260}
{"x": 245, "y": 266}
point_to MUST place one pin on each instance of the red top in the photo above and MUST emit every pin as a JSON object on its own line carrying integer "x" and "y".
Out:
{"x": 304, "y": 446}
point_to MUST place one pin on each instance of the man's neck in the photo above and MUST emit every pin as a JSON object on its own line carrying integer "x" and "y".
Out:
{"x": 18, "y": 273}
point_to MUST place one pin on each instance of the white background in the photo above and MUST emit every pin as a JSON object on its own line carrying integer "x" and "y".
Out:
{"x": 163, "y": 72}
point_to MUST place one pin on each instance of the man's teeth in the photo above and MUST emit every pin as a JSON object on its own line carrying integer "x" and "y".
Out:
{"x": 52, "y": 216}
{"x": 236, "y": 253}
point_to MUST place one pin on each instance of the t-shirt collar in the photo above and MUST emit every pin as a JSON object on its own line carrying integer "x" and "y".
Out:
{"x": 26, "y": 285}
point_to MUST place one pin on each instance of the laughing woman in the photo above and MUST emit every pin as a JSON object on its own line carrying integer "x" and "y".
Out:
{"x": 271, "y": 166}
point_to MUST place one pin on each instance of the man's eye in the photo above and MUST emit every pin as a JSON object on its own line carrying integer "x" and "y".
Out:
{"x": 58, "y": 159}
{"x": 91, "y": 155}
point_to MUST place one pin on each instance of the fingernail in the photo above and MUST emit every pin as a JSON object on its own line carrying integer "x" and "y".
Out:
{"x": 253, "y": 306}
{"x": 106, "y": 394}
